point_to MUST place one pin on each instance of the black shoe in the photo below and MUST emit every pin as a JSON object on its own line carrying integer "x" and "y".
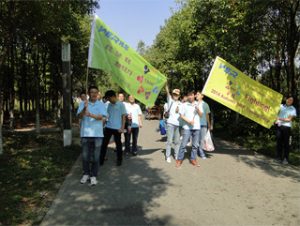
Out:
{"x": 134, "y": 153}
{"x": 101, "y": 163}
{"x": 119, "y": 162}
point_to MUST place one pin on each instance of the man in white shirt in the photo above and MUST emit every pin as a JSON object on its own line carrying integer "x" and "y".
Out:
{"x": 134, "y": 118}
{"x": 121, "y": 97}
{"x": 172, "y": 116}
{"x": 190, "y": 112}
{"x": 205, "y": 123}
{"x": 283, "y": 132}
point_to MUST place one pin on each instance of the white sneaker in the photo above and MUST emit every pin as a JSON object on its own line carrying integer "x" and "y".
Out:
{"x": 84, "y": 179}
{"x": 285, "y": 162}
{"x": 93, "y": 181}
{"x": 204, "y": 157}
{"x": 169, "y": 160}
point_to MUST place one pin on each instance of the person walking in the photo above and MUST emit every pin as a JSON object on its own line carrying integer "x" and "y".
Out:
{"x": 190, "y": 113}
{"x": 172, "y": 116}
{"x": 204, "y": 123}
{"x": 115, "y": 125}
{"x": 134, "y": 123}
{"x": 92, "y": 113}
{"x": 283, "y": 129}
{"x": 121, "y": 97}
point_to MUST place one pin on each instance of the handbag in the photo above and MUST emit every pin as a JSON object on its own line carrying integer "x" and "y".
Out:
{"x": 207, "y": 143}
{"x": 162, "y": 127}
{"x": 167, "y": 113}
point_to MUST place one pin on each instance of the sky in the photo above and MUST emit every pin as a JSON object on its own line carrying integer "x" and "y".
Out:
{"x": 135, "y": 20}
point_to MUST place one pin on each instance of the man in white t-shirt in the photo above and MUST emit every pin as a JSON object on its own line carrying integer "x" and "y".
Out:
{"x": 190, "y": 112}
{"x": 134, "y": 118}
{"x": 283, "y": 132}
{"x": 172, "y": 116}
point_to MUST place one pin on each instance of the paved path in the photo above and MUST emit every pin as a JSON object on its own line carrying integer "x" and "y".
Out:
{"x": 232, "y": 187}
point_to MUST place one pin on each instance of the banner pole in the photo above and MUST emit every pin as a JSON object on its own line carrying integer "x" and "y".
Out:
{"x": 87, "y": 80}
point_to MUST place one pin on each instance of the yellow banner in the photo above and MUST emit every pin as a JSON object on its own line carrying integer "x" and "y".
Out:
{"x": 232, "y": 88}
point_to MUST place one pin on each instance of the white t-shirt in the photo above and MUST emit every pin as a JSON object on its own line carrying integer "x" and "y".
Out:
{"x": 188, "y": 110}
{"x": 135, "y": 111}
{"x": 285, "y": 112}
{"x": 173, "y": 116}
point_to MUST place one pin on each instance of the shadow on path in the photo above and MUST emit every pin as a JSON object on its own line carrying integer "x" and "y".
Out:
{"x": 123, "y": 196}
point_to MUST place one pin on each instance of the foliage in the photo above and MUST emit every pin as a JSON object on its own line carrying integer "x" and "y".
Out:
{"x": 30, "y": 52}
{"x": 260, "y": 38}
{"x": 32, "y": 170}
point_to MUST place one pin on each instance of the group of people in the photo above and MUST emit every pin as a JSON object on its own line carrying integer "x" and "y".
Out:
{"x": 102, "y": 118}
{"x": 189, "y": 119}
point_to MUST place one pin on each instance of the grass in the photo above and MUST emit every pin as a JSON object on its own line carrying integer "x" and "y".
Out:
{"x": 32, "y": 168}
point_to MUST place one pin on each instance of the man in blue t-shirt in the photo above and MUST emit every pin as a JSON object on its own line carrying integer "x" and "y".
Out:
{"x": 115, "y": 125}
{"x": 92, "y": 113}
{"x": 283, "y": 131}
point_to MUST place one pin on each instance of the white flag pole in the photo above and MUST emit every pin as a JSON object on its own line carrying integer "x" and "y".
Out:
{"x": 90, "y": 53}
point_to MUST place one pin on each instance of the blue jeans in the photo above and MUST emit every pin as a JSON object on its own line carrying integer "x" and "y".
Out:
{"x": 201, "y": 137}
{"x": 186, "y": 134}
{"x": 91, "y": 147}
{"x": 173, "y": 135}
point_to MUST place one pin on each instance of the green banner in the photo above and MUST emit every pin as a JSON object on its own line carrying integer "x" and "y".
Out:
{"x": 128, "y": 69}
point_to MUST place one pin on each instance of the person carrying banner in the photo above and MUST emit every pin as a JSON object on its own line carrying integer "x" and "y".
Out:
{"x": 115, "y": 125}
{"x": 190, "y": 112}
{"x": 92, "y": 113}
{"x": 283, "y": 129}
{"x": 204, "y": 122}
{"x": 172, "y": 116}
{"x": 134, "y": 115}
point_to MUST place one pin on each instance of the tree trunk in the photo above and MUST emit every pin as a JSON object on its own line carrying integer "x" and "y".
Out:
{"x": 1, "y": 120}
{"x": 12, "y": 51}
{"x": 37, "y": 92}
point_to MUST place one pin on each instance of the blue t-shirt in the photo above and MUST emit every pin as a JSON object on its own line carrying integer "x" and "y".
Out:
{"x": 115, "y": 113}
{"x": 206, "y": 110}
{"x": 91, "y": 127}
{"x": 285, "y": 112}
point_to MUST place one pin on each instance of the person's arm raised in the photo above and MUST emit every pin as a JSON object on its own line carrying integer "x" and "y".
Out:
{"x": 167, "y": 90}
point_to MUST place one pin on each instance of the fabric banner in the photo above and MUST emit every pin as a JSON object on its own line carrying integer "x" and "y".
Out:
{"x": 107, "y": 51}
{"x": 232, "y": 88}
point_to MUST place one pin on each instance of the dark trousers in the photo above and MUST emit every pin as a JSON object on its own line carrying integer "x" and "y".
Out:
{"x": 117, "y": 137}
{"x": 134, "y": 133}
{"x": 283, "y": 148}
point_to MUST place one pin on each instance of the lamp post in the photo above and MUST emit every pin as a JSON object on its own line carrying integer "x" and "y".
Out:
{"x": 66, "y": 77}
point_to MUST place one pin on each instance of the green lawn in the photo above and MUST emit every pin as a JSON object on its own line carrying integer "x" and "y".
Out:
{"x": 32, "y": 169}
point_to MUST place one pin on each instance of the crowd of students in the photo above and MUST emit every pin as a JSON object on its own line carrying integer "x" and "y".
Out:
{"x": 187, "y": 120}
{"x": 102, "y": 118}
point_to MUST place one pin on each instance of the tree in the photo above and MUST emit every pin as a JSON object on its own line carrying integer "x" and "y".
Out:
{"x": 258, "y": 37}
{"x": 30, "y": 62}
{"x": 141, "y": 48}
